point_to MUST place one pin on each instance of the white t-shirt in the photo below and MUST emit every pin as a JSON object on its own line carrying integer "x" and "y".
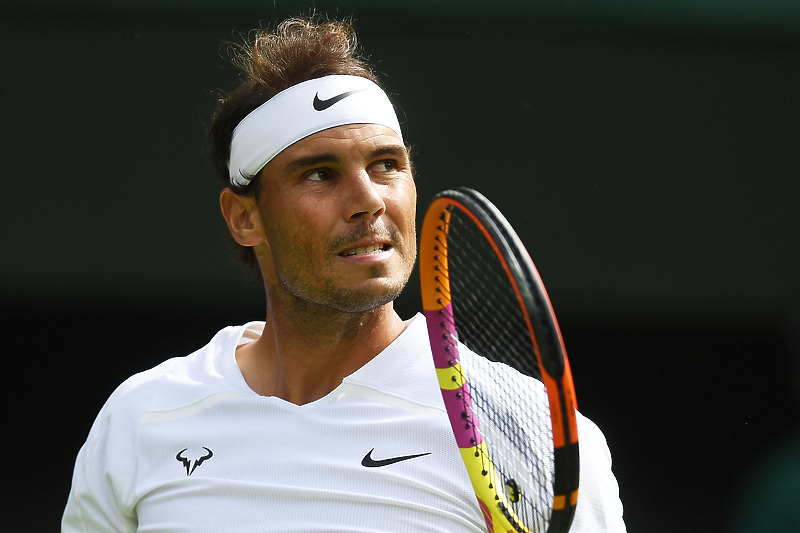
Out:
{"x": 188, "y": 447}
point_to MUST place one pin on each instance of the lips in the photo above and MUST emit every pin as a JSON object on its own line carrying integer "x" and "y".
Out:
{"x": 362, "y": 250}
{"x": 365, "y": 240}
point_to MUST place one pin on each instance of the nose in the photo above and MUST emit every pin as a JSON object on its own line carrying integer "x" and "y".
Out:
{"x": 364, "y": 198}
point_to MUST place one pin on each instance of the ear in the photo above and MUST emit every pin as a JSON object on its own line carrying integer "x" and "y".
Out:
{"x": 243, "y": 217}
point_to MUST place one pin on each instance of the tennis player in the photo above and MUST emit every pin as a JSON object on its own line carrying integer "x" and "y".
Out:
{"x": 327, "y": 415}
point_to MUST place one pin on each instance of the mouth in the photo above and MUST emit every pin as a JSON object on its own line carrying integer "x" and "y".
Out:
{"x": 365, "y": 250}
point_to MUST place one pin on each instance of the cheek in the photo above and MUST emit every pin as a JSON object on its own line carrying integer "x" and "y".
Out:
{"x": 290, "y": 220}
{"x": 405, "y": 204}
{"x": 287, "y": 238}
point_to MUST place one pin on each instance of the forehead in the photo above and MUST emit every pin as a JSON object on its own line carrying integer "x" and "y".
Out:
{"x": 359, "y": 138}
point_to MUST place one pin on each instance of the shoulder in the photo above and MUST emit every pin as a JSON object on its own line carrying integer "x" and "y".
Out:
{"x": 599, "y": 506}
{"x": 404, "y": 369}
{"x": 175, "y": 383}
{"x": 102, "y": 497}
{"x": 592, "y": 437}
{"x": 178, "y": 381}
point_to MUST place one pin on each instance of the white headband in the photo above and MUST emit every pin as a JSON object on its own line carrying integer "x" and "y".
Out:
{"x": 300, "y": 111}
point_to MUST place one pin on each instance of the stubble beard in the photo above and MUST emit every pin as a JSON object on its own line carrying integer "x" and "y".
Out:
{"x": 356, "y": 301}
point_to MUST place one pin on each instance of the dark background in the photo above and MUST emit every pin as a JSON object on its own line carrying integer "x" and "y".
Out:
{"x": 648, "y": 154}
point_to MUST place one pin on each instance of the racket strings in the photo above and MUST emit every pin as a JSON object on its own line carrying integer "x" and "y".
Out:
{"x": 514, "y": 422}
{"x": 468, "y": 396}
{"x": 478, "y": 276}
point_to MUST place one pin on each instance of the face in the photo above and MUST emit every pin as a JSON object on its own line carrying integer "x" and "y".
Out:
{"x": 338, "y": 210}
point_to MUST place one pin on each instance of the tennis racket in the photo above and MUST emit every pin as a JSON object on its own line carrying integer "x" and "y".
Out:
{"x": 502, "y": 367}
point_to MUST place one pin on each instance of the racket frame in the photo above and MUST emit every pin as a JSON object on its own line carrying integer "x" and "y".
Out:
{"x": 551, "y": 357}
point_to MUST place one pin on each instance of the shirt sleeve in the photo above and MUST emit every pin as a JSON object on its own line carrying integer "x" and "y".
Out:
{"x": 599, "y": 508}
{"x": 102, "y": 480}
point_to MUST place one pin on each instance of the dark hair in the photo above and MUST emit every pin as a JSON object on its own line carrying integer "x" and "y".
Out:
{"x": 297, "y": 50}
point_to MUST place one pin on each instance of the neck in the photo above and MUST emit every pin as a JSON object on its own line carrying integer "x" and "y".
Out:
{"x": 304, "y": 354}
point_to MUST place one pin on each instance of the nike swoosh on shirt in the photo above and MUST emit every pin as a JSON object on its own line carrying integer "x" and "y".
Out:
{"x": 322, "y": 105}
{"x": 369, "y": 462}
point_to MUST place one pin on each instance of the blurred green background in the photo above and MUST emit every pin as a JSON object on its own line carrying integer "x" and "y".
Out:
{"x": 648, "y": 153}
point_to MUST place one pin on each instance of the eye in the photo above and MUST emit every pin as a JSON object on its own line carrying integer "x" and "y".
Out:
{"x": 386, "y": 165}
{"x": 319, "y": 174}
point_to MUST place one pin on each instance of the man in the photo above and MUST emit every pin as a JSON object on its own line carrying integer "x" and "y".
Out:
{"x": 327, "y": 416}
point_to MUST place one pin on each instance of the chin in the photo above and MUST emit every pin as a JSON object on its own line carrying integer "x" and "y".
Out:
{"x": 362, "y": 301}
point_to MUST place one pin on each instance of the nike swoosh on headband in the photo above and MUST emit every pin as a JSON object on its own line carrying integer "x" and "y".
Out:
{"x": 287, "y": 117}
{"x": 369, "y": 462}
{"x": 322, "y": 105}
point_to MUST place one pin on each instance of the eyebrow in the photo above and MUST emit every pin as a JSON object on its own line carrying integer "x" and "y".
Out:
{"x": 391, "y": 149}
{"x": 330, "y": 158}
{"x": 310, "y": 161}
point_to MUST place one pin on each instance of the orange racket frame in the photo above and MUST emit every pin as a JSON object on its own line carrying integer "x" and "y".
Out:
{"x": 551, "y": 358}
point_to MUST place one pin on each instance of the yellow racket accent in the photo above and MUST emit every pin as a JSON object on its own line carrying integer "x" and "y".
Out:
{"x": 450, "y": 378}
{"x": 489, "y": 491}
{"x": 463, "y": 231}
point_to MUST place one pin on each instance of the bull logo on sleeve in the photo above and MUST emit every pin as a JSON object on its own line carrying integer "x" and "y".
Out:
{"x": 192, "y": 465}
